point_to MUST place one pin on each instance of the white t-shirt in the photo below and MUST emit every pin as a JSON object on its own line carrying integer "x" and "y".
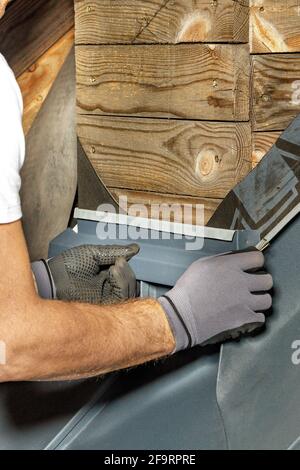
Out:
{"x": 12, "y": 144}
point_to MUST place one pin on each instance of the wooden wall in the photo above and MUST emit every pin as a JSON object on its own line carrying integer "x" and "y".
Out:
{"x": 37, "y": 81}
{"x": 178, "y": 99}
{"x": 275, "y": 64}
{"x": 30, "y": 27}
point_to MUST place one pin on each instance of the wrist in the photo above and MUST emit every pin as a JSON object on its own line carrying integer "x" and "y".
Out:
{"x": 43, "y": 280}
{"x": 169, "y": 335}
{"x": 180, "y": 333}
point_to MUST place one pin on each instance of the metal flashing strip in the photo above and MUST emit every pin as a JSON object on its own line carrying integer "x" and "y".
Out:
{"x": 265, "y": 242}
{"x": 163, "y": 257}
{"x": 153, "y": 224}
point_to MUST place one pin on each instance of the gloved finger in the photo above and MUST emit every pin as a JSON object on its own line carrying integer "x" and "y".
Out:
{"x": 128, "y": 274}
{"x": 123, "y": 280}
{"x": 229, "y": 253}
{"x": 106, "y": 255}
{"x": 259, "y": 282}
{"x": 245, "y": 250}
{"x": 250, "y": 319}
{"x": 261, "y": 303}
{"x": 259, "y": 319}
{"x": 248, "y": 260}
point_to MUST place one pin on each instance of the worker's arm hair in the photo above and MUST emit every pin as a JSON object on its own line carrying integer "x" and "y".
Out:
{"x": 57, "y": 340}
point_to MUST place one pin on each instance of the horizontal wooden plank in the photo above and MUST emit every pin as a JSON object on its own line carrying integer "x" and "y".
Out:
{"x": 161, "y": 21}
{"x": 262, "y": 143}
{"x": 30, "y": 27}
{"x": 187, "y": 212}
{"x": 276, "y": 90}
{"x": 274, "y": 26}
{"x": 193, "y": 81}
{"x": 36, "y": 82}
{"x": 175, "y": 157}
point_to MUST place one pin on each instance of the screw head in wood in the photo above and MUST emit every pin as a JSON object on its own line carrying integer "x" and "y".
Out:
{"x": 32, "y": 68}
{"x": 266, "y": 98}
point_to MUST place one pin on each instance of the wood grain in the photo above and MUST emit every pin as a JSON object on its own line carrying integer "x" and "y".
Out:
{"x": 30, "y": 27}
{"x": 276, "y": 90}
{"x": 37, "y": 81}
{"x": 193, "y": 81}
{"x": 274, "y": 26}
{"x": 262, "y": 143}
{"x": 152, "y": 201}
{"x": 161, "y": 21}
{"x": 199, "y": 159}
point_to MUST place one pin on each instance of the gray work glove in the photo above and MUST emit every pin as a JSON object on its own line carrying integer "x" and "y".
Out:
{"x": 88, "y": 273}
{"x": 218, "y": 298}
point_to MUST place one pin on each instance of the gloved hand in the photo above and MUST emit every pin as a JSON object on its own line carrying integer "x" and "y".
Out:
{"x": 218, "y": 298}
{"x": 88, "y": 273}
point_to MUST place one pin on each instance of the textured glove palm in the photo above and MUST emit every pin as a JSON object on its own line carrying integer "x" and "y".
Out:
{"x": 93, "y": 274}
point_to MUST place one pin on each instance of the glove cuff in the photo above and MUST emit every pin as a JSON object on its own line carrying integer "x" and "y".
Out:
{"x": 44, "y": 281}
{"x": 177, "y": 325}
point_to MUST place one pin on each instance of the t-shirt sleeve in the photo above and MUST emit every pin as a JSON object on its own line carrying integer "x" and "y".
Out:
{"x": 12, "y": 145}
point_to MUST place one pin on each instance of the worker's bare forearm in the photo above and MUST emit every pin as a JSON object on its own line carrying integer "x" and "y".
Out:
{"x": 56, "y": 340}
